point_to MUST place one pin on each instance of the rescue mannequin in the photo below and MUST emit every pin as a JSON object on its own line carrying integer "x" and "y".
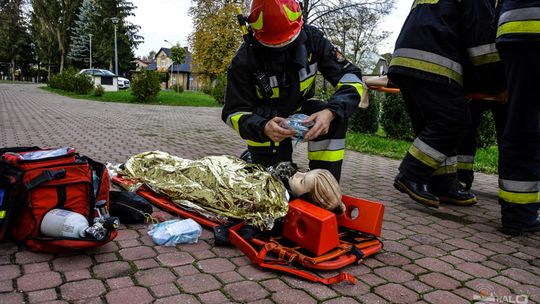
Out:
{"x": 322, "y": 187}
{"x": 317, "y": 186}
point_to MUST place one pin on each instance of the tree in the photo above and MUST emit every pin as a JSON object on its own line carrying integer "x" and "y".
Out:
{"x": 216, "y": 36}
{"x": 80, "y": 40}
{"x": 46, "y": 45}
{"x": 352, "y": 25}
{"x": 57, "y": 17}
{"x": 127, "y": 33}
{"x": 15, "y": 40}
{"x": 178, "y": 56}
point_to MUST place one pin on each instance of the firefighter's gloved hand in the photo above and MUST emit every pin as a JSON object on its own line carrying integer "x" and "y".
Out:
{"x": 275, "y": 132}
{"x": 322, "y": 120}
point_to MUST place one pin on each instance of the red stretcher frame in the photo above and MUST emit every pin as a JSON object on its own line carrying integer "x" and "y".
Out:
{"x": 367, "y": 219}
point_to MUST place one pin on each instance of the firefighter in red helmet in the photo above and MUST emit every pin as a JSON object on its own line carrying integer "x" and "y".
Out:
{"x": 273, "y": 75}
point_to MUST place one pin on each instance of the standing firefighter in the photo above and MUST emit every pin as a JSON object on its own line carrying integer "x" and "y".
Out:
{"x": 427, "y": 67}
{"x": 518, "y": 42}
{"x": 272, "y": 76}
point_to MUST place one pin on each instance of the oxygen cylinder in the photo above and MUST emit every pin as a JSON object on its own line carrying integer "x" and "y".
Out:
{"x": 64, "y": 223}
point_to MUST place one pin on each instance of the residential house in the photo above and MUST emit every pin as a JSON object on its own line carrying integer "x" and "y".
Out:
{"x": 178, "y": 73}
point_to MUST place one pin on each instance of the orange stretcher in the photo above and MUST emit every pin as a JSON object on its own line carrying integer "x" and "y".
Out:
{"x": 356, "y": 232}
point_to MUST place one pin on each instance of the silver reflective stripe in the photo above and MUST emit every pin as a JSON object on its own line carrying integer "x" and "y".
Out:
{"x": 303, "y": 72}
{"x": 429, "y": 57}
{"x": 528, "y": 13}
{"x": 350, "y": 78}
{"x": 519, "y": 186}
{"x": 328, "y": 144}
{"x": 229, "y": 122}
{"x": 273, "y": 82}
{"x": 429, "y": 151}
{"x": 450, "y": 161}
{"x": 482, "y": 50}
{"x": 465, "y": 158}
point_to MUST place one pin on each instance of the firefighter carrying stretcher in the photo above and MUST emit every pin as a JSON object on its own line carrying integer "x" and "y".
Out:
{"x": 273, "y": 75}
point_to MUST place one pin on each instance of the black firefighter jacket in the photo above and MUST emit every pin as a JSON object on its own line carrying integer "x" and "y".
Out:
{"x": 451, "y": 41}
{"x": 263, "y": 83}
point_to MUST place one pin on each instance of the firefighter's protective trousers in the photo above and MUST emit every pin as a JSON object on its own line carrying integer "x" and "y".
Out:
{"x": 440, "y": 119}
{"x": 518, "y": 42}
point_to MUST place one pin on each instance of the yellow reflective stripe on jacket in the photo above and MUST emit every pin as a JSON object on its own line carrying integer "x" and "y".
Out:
{"x": 519, "y": 198}
{"x": 307, "y": 84}
{"x": 483, "y": 54}
{"x": 352, "y": 80}
{"x": 428, "y": 62}
{"x": 329, "y": 156}
{"x": 232, "y": 120}
{"x": 418, "y": 2}
{"x": 426, "y": 154}
{"x": 2, "y": 214}
{"x": 307, "y": 79}
{"x": 259, "y": 144}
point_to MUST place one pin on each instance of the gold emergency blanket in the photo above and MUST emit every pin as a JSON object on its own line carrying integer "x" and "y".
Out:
{"x": 214, "y": 185}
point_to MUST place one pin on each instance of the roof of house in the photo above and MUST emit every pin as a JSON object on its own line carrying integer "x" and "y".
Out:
{"x": 175, "y": 68}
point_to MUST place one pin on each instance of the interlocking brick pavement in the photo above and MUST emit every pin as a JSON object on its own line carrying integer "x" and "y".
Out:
{"x": 447, "y": 255}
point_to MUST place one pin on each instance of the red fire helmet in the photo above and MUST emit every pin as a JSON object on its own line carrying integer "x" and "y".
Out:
{"x": 275, "y": 23}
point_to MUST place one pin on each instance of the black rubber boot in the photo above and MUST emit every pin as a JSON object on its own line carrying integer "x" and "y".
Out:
{"x": 458, "y": 198}
{"x": 416, "y": 191}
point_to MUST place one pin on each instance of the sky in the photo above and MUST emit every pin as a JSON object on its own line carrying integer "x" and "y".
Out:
{"x": 168, "y": 20}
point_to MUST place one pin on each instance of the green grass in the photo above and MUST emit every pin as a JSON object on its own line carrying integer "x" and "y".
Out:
{"x": 165, "y": 97}
{"x": 377, "y": 144}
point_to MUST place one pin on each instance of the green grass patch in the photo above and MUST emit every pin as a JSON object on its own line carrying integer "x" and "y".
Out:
{"x": 486, "y": 159}
{"x": 165, "y": 97}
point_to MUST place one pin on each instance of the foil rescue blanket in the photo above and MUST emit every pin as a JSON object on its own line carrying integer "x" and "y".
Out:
{"x": 218, "y": 187}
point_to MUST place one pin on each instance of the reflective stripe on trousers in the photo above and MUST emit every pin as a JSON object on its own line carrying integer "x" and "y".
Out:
{"x": 465, "y": 162}
{"x": 519, "y": 21}
{"x": 483, "y": 54}
{"x": 519, "y": 192}
{"x": 449, "y": 166}
{"x": 330, "y": 150}
{"x": 426, "y": 154}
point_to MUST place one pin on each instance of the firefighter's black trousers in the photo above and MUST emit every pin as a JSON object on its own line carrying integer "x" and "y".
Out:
{"x": 519, "y": 158}
{"x": 268, "y": 156}
{"x": 440, "y": 117}
{"x": 467, "y": 148}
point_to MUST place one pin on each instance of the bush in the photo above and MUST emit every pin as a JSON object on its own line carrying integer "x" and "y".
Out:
{"x": 71, "y": 81}
{"x": 218, "y": 92}
{"x": 146, "y": 86}
{"x": 99, "y": 91}
{"x": 177, "y": 88}
{"x": 367, "y": 120}
{"x": 486, "y": 134}
{"x": 394, "y": 118}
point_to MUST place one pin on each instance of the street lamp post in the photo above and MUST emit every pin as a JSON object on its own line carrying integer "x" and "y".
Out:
{"x": 115, "y": 20}
{"x": 90, "y": 35}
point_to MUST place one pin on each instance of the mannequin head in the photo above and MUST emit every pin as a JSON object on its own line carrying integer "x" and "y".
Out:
{"x": 322, "y": 187}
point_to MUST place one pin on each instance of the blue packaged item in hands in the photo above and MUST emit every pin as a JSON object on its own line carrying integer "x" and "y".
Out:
{"x": 173, "y": 232}
{"x": 296, "y": 122}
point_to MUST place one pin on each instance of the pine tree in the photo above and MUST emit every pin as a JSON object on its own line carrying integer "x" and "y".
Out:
{"x": 80, "y": 40}
{"x": 127, "y": 34}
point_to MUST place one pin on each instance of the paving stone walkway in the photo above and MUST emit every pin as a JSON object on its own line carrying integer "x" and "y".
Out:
{"x": 444, "y": 256}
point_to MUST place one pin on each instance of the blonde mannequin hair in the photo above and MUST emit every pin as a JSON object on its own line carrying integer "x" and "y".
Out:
{"x": 326, "y": 192}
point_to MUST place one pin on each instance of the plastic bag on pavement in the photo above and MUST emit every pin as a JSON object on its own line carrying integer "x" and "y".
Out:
{"x": 173, "y": 232}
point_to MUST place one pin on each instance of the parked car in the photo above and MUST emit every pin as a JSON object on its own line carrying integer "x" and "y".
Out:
{"x": 123, "y": 83}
